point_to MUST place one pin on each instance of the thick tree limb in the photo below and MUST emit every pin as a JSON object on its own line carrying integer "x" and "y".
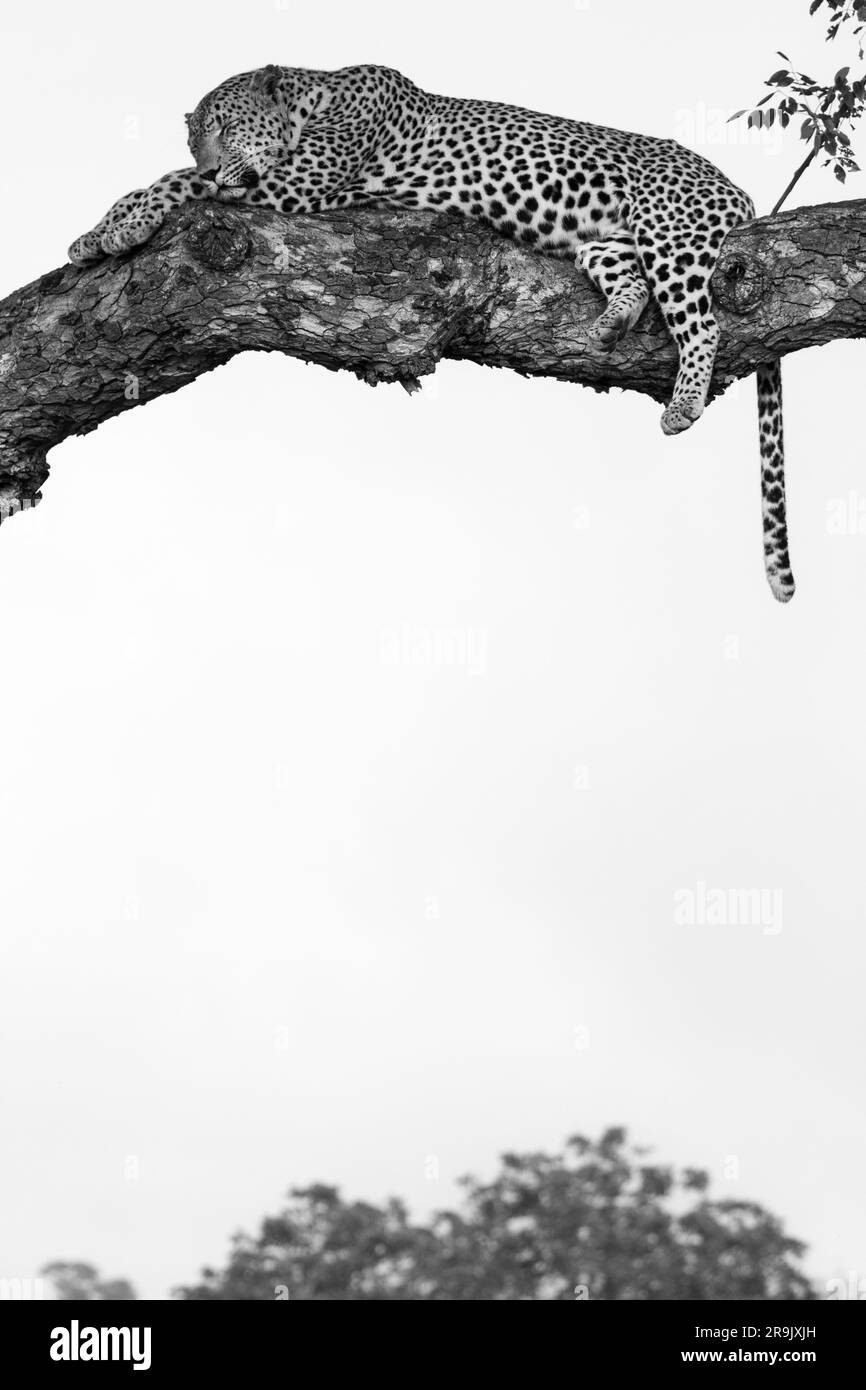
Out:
{"x": 384, "y": 294}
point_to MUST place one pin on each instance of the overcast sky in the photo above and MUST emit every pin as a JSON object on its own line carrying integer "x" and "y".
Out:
{"x": 361, "y": 752}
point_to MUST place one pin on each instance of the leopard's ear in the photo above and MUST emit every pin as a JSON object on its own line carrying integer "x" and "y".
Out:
{"x": 188, "y": 119}
{"x": 265, "y": 81}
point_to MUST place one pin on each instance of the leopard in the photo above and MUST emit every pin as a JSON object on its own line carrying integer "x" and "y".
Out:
{"x": 643, "y": 217}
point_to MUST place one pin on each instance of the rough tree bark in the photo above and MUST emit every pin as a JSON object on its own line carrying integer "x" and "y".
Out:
{"x": 386, "y": 295}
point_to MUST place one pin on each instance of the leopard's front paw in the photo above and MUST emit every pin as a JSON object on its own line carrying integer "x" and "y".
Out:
{"x": 607, "y": 330}
{"x": 123, "y": 236}
{"x": 681, "y": 415}
{"x": 86, "y": 249}
{"x": 128, "y": 223}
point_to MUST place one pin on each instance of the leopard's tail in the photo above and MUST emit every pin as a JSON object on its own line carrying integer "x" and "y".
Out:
{"x": 776, "y": 560}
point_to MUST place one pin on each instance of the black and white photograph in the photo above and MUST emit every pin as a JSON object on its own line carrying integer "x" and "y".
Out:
{"x": 433, "y": 587}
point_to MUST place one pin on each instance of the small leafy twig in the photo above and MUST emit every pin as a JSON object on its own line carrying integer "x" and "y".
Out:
{"x": 826, "y": 108}
{"x": 797, "y": 176}
{"x": 851, "y": 12}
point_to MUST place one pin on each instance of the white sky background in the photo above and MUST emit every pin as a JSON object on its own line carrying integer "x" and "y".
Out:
{"x": 276, "y": 909}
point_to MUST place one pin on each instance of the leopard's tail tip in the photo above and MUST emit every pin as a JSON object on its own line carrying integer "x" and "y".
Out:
{"x": 782, "y": 587}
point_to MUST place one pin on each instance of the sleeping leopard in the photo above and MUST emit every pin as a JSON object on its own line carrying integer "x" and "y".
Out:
{"x": 643, "y": 217}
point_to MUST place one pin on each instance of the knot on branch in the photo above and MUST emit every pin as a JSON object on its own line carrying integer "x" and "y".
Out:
{"x": 738, "y": 282}
{"x": 219, "y": 238}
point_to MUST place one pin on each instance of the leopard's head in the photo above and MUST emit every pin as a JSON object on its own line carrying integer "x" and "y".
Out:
{"x": 238, "y": 131}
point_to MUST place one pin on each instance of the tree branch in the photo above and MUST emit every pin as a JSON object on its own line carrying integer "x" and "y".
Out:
{"x": 386, "y": 295}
